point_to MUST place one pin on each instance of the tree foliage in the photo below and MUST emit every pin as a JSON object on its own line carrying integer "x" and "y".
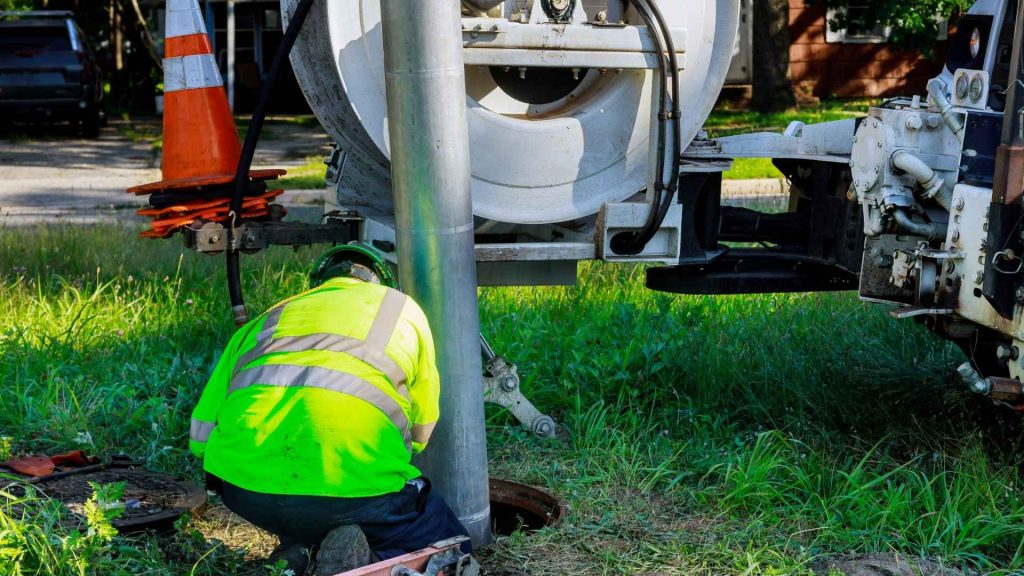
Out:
{"x": 17, "y": 4}
{"x": 914, "y": 24}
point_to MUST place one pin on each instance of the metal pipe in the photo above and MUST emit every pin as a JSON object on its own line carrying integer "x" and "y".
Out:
{"x": 429, "y": 141}
{"x": 931, "y": 231}
{"x": 937, "y": 91}
{"x": 934, "y": 186}
{"x": 973, "y": 379}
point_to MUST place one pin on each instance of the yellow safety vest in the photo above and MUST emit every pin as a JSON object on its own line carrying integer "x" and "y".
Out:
{"x": 327, "y": 394}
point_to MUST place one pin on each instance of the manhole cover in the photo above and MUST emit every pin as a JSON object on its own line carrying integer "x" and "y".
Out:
{"x": 151, "y": 500}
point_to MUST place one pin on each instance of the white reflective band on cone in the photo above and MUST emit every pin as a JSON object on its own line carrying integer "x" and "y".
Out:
{"x": 184, "y": 18}
{"x": 187, "y": 72}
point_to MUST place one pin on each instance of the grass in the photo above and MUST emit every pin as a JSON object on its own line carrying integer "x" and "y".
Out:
{"x": 729, "y": 119}
{"x": 700, "y": 435}
{"x": 751, "y": 169}
{"x": 310, "y": 176}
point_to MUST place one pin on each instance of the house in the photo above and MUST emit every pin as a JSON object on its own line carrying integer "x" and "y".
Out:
{"x": 840, "y": 63}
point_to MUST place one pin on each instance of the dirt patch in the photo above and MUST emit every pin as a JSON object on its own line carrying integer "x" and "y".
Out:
{"x": 883, "y": 565}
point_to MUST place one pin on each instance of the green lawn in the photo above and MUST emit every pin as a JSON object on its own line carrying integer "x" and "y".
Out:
{"x": 309, "y": 176}
{"x": 729, "y": 119}
{"x": 701, "y": 435}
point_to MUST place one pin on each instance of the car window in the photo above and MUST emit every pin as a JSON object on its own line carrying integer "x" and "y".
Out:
{"x": 31, "y": 40}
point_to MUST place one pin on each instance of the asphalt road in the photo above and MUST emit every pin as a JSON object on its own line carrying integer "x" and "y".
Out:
{"x": 48, "y": 172}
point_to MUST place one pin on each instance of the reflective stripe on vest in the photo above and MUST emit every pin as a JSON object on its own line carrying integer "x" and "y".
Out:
{"x": 183, "y": 18}
{"x": 290, "y": 375}
{"x": 421, "y": 432}
{"x": 188, "y": 72}
{"x": 200, "y": 431}
{"x": 372, "y": 350}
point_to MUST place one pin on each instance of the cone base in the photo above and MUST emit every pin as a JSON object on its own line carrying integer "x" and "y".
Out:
{"x": 202, "y": 181}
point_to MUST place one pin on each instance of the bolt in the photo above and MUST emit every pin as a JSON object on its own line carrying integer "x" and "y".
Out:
{"x": 575, "y": 73}
{"x": 543, "y": 426}
{"x": 979, "y": 277}
{"x": 981, "y": 386}
{"x": 955, "y": 235}
{"x": 602, "y": 16}
{"x": 1019, "y": 295}
{"x": 914, "y": 123}
{"x": 958, "y": 203}
{"x": 950, "y": 267}
{"x": 522, "y": 72}
{"x": 1005, "y": 353}
{"x": 214, "y": 238}
{"x": 934, "y": 120}
{"x": 509, "y": 383}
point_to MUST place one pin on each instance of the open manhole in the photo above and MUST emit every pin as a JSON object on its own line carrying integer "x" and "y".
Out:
{"x": 516, "y": 506}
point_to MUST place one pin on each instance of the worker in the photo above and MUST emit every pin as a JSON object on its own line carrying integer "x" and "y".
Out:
{"x": 309, "y": 422}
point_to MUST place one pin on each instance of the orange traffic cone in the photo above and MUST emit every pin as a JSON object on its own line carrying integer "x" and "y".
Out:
{"x": 201, "y": 146}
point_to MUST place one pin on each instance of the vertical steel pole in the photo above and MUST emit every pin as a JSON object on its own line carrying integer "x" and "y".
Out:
{"x": 231, "y": 53}
{"x": 429, "y": 140}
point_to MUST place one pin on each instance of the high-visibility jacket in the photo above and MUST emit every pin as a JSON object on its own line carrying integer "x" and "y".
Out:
{"x": 327, "y": 394}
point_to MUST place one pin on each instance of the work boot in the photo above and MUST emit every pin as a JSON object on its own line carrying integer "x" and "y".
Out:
{"x": 345, "y": 548}
{"x": 295, "y": 556}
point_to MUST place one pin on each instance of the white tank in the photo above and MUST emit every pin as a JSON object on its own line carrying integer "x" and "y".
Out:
{"x": 551, "y": 141}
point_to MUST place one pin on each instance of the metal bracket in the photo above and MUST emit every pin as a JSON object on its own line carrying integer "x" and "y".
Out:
{"x": 211, "y": 237}
{"x": 501, "y": 387}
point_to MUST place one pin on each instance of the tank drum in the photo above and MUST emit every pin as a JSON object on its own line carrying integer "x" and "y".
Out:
{"x": 551, "y": 141}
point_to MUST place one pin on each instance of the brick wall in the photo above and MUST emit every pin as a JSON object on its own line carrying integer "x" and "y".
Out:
{"x": 851, "y": 70}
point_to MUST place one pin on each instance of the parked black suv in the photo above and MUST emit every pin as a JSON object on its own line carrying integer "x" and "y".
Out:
{"x": 48, "y": 71}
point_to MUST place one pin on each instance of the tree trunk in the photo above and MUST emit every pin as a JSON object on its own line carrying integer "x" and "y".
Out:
{"x": 772, "y": 90}
{"x": 115, "y": 31}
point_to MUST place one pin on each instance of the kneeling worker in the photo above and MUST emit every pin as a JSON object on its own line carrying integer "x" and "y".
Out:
{"x": 309, "y": 422}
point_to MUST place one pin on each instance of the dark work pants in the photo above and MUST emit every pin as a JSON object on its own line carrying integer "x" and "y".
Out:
{"x": 394, "y": 524}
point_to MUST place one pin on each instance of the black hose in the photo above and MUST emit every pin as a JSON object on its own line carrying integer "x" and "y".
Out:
{"x": 675, "y": 116}
{"x": 252, "y": 137}
{"x": 635, "y": 242}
